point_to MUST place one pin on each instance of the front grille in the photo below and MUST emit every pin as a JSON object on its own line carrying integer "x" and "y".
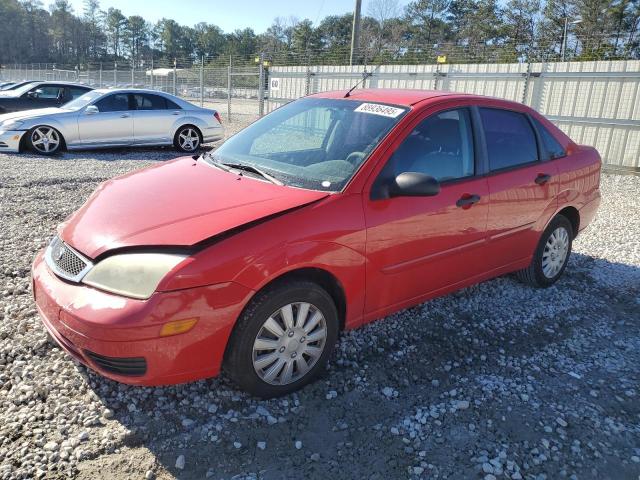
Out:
{"x": 131, "y": 367}
{"x": 65, "y": 261}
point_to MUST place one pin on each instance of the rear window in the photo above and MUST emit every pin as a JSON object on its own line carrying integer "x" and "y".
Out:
{"x": 510, "y": 138}
{"x": 551, "y": 145}
{"x": 149, "y": 102}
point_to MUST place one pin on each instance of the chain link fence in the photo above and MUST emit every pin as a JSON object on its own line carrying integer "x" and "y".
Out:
{"x": 595, "y": 102}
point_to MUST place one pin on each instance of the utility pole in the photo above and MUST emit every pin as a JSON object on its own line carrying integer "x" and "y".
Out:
{"x": 355, "y": 32}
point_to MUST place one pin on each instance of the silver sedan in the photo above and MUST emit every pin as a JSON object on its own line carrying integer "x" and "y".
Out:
{"x": 111, "y": 118}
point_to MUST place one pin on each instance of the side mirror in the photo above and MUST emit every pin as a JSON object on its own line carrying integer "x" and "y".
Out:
{"x": 34, "y": 94}
{"x": 91, "y": 110}
{"x": 414, "y": 184}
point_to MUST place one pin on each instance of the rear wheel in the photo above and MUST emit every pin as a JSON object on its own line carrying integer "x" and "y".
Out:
{"x": 187, "y": 139}
{"x": 283, "y": 339}
{"x": 45, "y": 140}
{"x": 551, "y": 256}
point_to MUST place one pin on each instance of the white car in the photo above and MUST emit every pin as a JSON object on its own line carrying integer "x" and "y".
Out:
{"x": 111, "y": 118}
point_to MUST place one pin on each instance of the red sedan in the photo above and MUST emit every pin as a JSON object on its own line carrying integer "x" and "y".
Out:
{"x": 330, "y": 212}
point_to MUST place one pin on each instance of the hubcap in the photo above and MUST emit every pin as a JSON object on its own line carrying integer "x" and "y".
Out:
{"x": 555, "y": 252}
{"x": 189, "y": 139}
{"x": 45, "y": 139}
{"x": 289, "y": 343}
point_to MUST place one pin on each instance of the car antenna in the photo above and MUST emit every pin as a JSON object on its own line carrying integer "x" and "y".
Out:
{"x": 364, "y": 78}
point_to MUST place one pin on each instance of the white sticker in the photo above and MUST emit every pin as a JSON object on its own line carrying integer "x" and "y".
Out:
{"x": 326, "y": 184}
{"x": 377, "y": 109}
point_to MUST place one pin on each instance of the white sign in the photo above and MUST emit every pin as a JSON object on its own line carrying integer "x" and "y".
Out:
{"x": 274, "y": 84}
{"x": 377, "y": 109}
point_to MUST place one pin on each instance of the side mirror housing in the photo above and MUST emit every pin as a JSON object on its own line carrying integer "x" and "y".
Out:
{"x": 34, "y": 94}
{"x": 91, "y": 110}
{"x": 414, "y": 184}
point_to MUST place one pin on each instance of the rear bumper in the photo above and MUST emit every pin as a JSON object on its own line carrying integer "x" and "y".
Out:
{"x": 588, "y": 212}
{"x": 212, "y": 134}
{"x": 119, "y": 337}
{"x": 10, "y": 140}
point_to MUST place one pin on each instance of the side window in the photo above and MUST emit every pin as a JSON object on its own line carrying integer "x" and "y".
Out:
{"x": 551, "y": 145}
{"x": 75, "y": 92}
{"x": 172, "y": 105}
{"x": 48, "y": 91}
{"x": 440, "y": 146}
{"x": 510, "y": 138}
{"x": 118, "y": 102}
{"x": 149, "y": 102}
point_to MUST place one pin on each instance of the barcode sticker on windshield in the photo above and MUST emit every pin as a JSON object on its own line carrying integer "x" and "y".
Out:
{"x": 377, "y": 109}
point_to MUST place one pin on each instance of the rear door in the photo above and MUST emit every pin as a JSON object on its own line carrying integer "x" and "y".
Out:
{"x": 111, "y": 125}
{"x": 522, "y": 187}
{"x": 154, "y": 118}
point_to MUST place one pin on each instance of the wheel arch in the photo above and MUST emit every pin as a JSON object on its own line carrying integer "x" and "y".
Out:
{"x": 573, "y": 215}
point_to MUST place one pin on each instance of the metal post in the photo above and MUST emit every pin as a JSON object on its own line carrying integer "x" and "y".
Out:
{"x": 564, "y": 38}
{"x": 261, "y": 87}
{"x": 355, "y": 32}
{"x": 527, "y": 77}
{"x": 202, "y": 82}
{"x": 152, "y": 73}
{"x": 100, "y": 77}
{"x": 133, "y": 76}
{"x": 175, "y": 65}
{"x": 229, "y": 89}
{"x": 115, "y": 75}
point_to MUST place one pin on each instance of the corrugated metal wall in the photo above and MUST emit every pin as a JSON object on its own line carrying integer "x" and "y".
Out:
{"x": 595, "y": 103}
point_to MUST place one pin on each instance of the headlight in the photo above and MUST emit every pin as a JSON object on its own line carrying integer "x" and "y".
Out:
{"x": 134, "y": 275}
{"x": 11, "y": 124}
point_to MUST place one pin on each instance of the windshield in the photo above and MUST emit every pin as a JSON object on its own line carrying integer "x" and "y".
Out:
{"x": 82, "y": 101}
{"x": 23, "y": 89}
{"x": 313, "y": 143}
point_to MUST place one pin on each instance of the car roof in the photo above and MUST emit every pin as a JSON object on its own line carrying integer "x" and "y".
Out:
{"x": 397, "y": 96}
{"x": 55, "y": 82}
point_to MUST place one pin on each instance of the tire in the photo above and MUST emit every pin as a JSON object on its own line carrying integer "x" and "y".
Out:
{"x": 45, "y": 140}
{"x": 540, "y": 274}
{"x": 251, "y": 368}
{"x": 187, "y": 139}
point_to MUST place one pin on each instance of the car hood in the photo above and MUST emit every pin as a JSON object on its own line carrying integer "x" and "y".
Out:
{"x": 179, "y": 203}
{"x": 29, "y": 114}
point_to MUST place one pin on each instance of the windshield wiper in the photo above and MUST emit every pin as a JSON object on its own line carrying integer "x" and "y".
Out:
{"x": 227, "y": 167}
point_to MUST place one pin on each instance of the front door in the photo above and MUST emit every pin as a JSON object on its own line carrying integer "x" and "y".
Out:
{"x": 419, "y": 246}
{"x": 112, "y": 124}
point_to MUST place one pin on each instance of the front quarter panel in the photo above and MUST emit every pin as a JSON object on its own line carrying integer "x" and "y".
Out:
{"x": 328, "y": 235}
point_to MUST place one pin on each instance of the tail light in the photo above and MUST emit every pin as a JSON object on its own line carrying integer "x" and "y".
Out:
{"x": 217, "y": 115}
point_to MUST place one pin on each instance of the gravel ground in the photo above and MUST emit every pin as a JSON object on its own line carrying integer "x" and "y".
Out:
{"x": 496, "y": 381}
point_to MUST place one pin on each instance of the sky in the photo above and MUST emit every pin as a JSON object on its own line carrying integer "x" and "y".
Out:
{"x": 229, "y": 14}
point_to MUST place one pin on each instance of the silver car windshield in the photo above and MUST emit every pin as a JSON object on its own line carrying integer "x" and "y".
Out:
{"x": 82, "y": 101}
{"x": 313, "y": 143}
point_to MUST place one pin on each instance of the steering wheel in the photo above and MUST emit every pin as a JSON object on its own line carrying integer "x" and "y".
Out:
{"x": 355, "y": 158}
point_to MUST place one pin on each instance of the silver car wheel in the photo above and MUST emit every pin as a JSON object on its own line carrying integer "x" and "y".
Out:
{"x": 555, "y": 252}
{"x": 189, "y": 139}
{"x": 45, "y": 139}
{"x": 289, "y": 343}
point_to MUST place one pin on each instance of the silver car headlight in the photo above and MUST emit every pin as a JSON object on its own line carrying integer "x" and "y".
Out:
{"x": 134, "y": 275}
{"x": 11, "y": 124}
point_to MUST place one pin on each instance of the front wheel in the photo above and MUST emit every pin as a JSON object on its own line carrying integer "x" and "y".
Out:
{"x": 551, "y": 256}
{"x": 45, "y": 140}
{"x": 187, "y": 139}
{"x": 283, "y": 339}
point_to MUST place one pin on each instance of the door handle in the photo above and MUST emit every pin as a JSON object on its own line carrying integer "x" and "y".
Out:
{"x": 542, "y": 178}
{"x": 175, "y": 113}
{"x": 467, "y": 200}
{"x": 124, "y": 115}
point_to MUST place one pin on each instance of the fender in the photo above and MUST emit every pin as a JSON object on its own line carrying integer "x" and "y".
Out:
{"x": 345, "y": 264}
